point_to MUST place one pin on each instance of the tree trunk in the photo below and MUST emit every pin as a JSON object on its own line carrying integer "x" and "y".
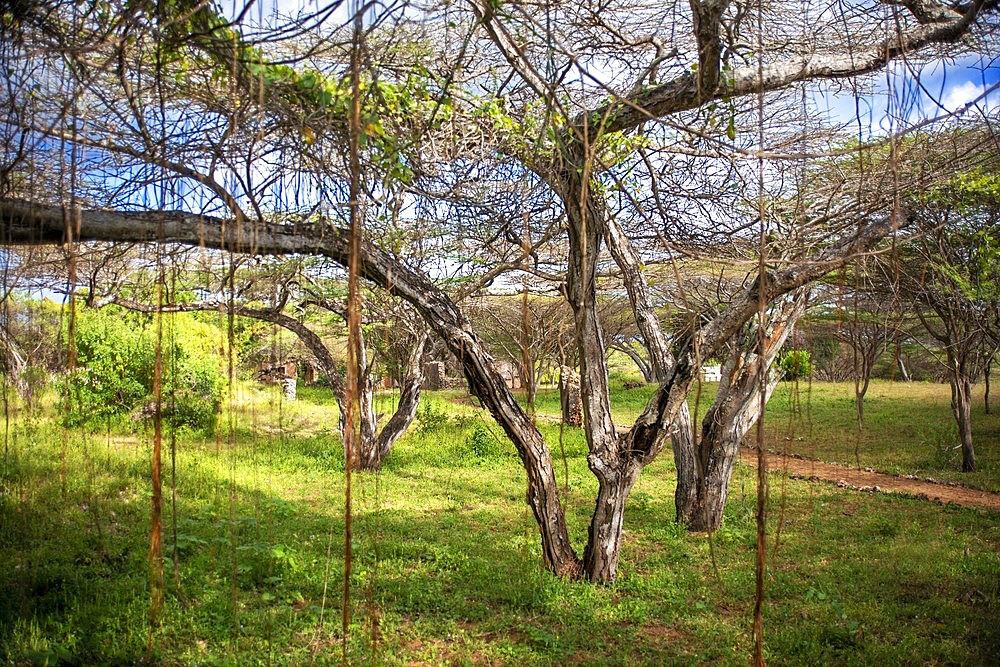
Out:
{"x": 859, "y": 405}
{"x": 722, "y": 431}
{"x": 702, "y": 509}
{"x": 615, "y": 472}
{"x": 644, "y": 366}
{"x": 686, "y": 494}
{"x": 374, "y": 455}
{"x": 904, "y": 374}
{"x": 604, "y": 543}
{"x": 367, "y": 419}
{"x": 682, "y": 441}
{"x": 961, "y": 406}
{"x": 701, "y": 498}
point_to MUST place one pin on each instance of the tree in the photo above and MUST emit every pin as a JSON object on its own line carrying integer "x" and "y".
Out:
{"x": 527, "y": 330}
{"x": 577, "y": 142}
{"x": 267, "y": 292}
{"x": 868, "y": 321}
{"x": 950, "y": 275}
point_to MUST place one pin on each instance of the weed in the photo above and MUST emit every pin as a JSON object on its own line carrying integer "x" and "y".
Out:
{"x": 431, "y": 418}
{"x": 447, "y": 563}
{"x": 640, "y": 500}
{"x": 942, "y": 443}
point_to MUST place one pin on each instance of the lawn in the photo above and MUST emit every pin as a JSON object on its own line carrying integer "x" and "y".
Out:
{"x": 908, "y": 429}
{"x": 446, "y": 560}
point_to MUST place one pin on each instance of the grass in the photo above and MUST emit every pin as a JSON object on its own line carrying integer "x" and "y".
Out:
{"x": 447, "y": 565}
{"x": 908, "y": 430}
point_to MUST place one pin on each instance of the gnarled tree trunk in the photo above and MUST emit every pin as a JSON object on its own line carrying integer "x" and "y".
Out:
{"x": 961, "y": 406}
{"x": 703, "y": 482}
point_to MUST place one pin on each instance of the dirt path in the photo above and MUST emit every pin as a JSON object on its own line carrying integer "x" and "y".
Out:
{"x": 869, "y": 480}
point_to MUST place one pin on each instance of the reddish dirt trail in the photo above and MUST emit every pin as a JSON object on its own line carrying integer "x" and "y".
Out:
{"x": 868, "y": 480}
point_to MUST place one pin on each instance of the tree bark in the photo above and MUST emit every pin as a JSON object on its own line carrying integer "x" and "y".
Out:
{"x": 607, "y": 524}
{"x": 961, "y": 406}
{"x": 734, "y": 411}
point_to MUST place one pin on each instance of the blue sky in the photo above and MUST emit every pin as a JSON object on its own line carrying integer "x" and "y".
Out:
{"x": 907, "y": 93}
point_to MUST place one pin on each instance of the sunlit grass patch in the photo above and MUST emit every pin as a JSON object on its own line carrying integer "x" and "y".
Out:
{"x": 446, "y": 556}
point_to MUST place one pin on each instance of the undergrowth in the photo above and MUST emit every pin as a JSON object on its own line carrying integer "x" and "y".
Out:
{"x": 447, "y": 567}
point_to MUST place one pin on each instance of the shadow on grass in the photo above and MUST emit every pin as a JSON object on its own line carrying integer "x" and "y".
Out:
{"x": 447, "y": 568}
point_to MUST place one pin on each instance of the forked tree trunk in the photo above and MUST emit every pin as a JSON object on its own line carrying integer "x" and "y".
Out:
{"x": 375, "y": 444}
{"x": 703, "y": 481}
{"x": 375, "y": 450}
{"x": 961, "y": 405}
{"x": 723, "y": 427}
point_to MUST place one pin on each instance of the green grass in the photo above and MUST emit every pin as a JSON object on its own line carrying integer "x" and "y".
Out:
{"x": 908, "y": 430}
{"x": 447, "y": 565}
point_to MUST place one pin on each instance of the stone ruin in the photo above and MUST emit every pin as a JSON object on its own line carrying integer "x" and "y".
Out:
{"x": 570, "y": 397}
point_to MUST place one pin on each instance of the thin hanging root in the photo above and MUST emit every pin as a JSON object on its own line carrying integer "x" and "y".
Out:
{"x": 156, "y": 579}
{"x": 354, "y": 371}
{"x": 761, "y": 561}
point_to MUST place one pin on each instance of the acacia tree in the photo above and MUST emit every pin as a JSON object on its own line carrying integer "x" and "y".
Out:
{"x": 527, "y": 330}
{"x": 950, "y": 278}
{"x": 580, "y": 139}
{"x": 286, "y": 295}
{"x": 871, "y": 322}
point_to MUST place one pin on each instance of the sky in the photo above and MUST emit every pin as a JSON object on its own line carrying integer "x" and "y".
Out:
{"x": 905, "y": 94}
{"x": 919, "y": 91}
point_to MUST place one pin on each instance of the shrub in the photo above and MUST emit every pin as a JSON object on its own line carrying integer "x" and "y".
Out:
{"x": 116, "y": 355}
{"x": 431, "y": 417}
{"x": 483, "y": 446}
{"x": 796, "y": 365}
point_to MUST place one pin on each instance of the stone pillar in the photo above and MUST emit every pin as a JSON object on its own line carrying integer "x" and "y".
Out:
{"x": 570, "y": 397}
{"x": 434, "y": 377}
{"x": 288, "y": 388}
{"x": 310, "y": 373}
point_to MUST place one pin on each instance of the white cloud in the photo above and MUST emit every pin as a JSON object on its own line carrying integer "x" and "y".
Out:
{"x": 961, "y": 94}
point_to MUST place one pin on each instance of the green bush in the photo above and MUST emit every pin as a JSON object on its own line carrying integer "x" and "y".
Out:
{"x": 796, "y": 365}
{"x": 114, "y": 376}
{"x": 485, "y": 447}
{"x": 431, "y": 417}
